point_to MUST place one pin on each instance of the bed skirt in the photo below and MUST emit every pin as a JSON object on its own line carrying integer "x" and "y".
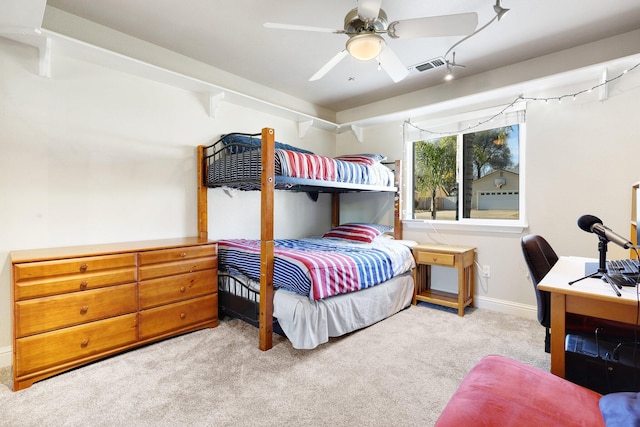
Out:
{"x": 308, "y": 323}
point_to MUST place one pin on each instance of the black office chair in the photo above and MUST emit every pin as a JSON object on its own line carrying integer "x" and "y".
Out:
{"x": 540, "y": 257}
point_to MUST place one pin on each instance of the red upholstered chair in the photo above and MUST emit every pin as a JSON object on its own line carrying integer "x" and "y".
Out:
{"x": 499, "y": 391}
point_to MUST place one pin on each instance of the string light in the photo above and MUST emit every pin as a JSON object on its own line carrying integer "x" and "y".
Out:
{"x": 527, "y": 98}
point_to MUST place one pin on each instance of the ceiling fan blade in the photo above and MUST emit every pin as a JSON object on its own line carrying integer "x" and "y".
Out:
{"x": 329, "y": 65}
{"x": 301, "y": 28}
{"x": 368, "y": 9}
{"x": 435, "y": 26}
{"x": 390, "y": 63}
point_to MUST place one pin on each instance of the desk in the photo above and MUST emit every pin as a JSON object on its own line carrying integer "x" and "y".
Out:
{"x": 588, "y": 297}
{"x": 458, "y": 257}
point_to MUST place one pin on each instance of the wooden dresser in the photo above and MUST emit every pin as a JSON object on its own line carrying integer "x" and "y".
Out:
{"x": 74, "y": 305}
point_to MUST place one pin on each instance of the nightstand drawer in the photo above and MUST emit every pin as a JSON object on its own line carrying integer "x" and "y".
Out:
{"x": 177, "y": 254}
{"x": 434, "y": 258}
{"x": 165, "y": 319}
{"x": 171, "y": 289}
{"x": 49, "y": 313}
{"x": 72, "y": 344}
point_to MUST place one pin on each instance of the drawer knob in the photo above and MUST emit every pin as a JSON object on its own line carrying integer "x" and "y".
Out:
{"x": 183, "y": 254}
{"x": 183, "y": 316}
{"x": 182, "y": 289}
{"x": 83, "y": 285}
{"x": 84, "y": 343}
{"x": 84, "y": 267}
{"x": 84, "y": 309}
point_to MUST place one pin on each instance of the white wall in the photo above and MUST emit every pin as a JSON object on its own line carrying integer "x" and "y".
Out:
{"x": 93, "y": 155}
{"x": 582, "y": 158}
{"x": 96, "y": 156}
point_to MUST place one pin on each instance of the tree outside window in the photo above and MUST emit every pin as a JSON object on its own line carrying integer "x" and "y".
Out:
{"x": 489, "y": 178}
{"x": 435, "y": 170}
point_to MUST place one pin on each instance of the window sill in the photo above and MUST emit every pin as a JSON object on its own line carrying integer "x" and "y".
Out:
{"x": 485, "y": 226}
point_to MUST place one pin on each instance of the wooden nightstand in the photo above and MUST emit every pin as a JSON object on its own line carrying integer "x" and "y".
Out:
{"x": 458, "y": 257}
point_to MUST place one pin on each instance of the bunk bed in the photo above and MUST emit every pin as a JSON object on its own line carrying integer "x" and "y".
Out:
{"x": 258, "y": 162}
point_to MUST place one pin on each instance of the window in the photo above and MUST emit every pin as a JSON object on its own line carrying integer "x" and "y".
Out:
{"x": 470, "y": 176}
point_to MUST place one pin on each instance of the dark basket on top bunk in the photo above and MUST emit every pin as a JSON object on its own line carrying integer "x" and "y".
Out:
{"x": 233, "y": 161}
{"x": 236, "y": 299}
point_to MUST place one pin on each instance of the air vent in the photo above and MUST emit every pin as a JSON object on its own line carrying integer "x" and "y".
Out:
{"x": 428, "y": 65}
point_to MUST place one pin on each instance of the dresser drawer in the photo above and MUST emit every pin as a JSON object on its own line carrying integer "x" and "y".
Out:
{"x": 178, "y": 267}
{"x": 435, "y": 258}
{"x": 171, "y": 289}
{"x": 177, "y": 254}
{"x": 73, "y": 344}
{"x": 31, "y": 270}
{"x": 44, "y": 286}
{"x": 160, "y": 320}
{"x": 49, "y": 313}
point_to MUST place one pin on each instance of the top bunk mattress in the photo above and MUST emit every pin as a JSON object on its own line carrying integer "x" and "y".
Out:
{"x": 235, "y": 161}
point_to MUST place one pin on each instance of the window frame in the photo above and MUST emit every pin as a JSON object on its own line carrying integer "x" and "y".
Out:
{"x": 473, "y": 121}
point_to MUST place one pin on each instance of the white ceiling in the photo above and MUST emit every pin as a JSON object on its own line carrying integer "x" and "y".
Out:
{"x": 230, "y": 35}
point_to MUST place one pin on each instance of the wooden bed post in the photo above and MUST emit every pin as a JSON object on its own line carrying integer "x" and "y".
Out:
{"x": 203, "y": 221}
{"x": 397, "y": 202}
{"x": 335, "y": 210}
{"x": 267, "y": 187}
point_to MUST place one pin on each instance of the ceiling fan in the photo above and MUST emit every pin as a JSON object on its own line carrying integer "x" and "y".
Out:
{"x": 365, "y": 25}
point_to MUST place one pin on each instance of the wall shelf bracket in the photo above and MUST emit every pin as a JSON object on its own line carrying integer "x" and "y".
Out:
{"x": 303, "y": 127}
{"x": 44, "y": 67}
{"x": 358, "y": 132}
{"x": 214, "y": 103}
{"x": 603, "y": 95}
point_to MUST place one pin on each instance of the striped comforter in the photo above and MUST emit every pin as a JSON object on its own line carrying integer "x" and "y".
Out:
{"x": 246, "y": 166}
{"x": 316, "y": 267}
{"x": 312, "y": 166}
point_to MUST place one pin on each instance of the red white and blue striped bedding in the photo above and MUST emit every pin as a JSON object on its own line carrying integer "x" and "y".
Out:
{"x": 316, "y": 267}
{"x": 311, "y": 166}
{"x": 237, "y": 167}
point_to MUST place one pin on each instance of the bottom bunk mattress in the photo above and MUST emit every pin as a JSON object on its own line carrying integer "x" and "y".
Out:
{"x": 308, "y": 323}
{"x": 321, "y": 267}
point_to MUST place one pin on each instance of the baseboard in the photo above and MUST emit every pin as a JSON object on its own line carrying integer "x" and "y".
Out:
{"x": 508, "y": 307}
{"x": 5, "y": 356}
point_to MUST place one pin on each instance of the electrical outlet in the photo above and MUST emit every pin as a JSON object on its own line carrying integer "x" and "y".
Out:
{"x": 486, "y": 271}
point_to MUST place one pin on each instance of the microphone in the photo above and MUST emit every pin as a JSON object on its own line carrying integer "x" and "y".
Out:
{"x": 593, "y": 224}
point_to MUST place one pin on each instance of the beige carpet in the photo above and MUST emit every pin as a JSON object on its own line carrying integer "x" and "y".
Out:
{"x": 401, "y": 371}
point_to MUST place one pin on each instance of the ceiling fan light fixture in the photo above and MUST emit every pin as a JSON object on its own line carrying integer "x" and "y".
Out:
{"x": 365, "y": 46}
{"x": 449, "y": 75}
